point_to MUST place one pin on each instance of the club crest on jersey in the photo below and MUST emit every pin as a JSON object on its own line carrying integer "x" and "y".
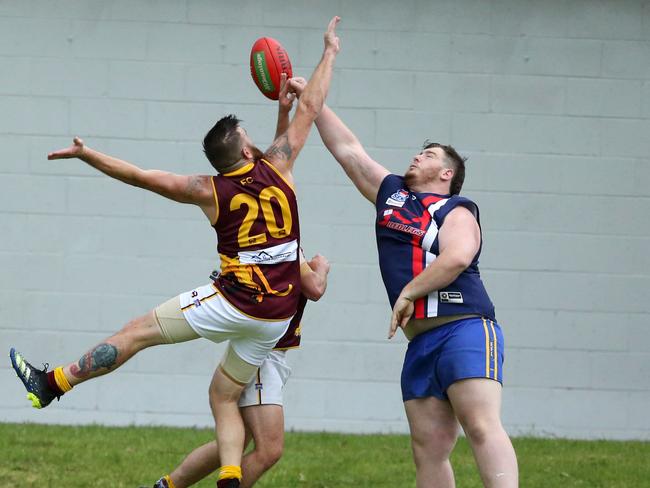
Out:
{"x": 398, "y": 198}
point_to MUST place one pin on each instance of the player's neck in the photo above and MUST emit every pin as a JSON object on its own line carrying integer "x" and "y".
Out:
{"x": 235, "y": 166}
{"x": 437, "y": 187}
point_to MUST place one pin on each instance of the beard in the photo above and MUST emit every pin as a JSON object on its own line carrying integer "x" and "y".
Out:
{"x": 257, "y": 154}
{"x": 410, "y": 177}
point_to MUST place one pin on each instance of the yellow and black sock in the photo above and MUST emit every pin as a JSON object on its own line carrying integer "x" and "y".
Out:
{"x": 58, "y": 382}
{"x": 229, "y": 476}
{"x": 165, "y": 482}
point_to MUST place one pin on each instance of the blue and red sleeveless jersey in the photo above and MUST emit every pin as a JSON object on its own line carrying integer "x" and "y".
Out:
{"x": 407, "y": 240}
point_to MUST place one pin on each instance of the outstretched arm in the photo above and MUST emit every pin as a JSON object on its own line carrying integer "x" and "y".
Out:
{"x": 195, "y": 189}
{"x": 460, "y": 240}
{"x": 366, "y": 173}
{"x": 284, "y": 150}
{"x": 285, "y": 103}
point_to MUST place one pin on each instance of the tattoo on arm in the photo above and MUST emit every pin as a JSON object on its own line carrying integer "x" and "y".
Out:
{"x": 194, "y": 186}
{"x": 280, "y": 149}
{"x": 101, "y": 356}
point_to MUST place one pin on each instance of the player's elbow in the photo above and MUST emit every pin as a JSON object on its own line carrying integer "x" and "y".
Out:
{"x": 348, "y": 154}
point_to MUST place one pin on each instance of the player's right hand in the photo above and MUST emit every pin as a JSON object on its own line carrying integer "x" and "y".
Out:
{"x": 74, "y": 151}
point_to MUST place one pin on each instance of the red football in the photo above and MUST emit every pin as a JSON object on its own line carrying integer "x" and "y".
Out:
{"x": 268, "y": 60}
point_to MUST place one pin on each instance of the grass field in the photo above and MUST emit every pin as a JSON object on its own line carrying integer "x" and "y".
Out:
{"x": 55, "y": 456}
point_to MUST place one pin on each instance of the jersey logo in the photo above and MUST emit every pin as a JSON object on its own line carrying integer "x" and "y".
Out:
{"x": 403, "y": 220}
{"x": 258, "y": 386}
{"x": 398, "y": 198}
{"x": 451, "y": 297}
{"x": 271, "y": 255}
{"x": 405, "y": 228}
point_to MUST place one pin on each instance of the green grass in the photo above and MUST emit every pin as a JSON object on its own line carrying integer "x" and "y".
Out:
{"x": 55, "y": 456}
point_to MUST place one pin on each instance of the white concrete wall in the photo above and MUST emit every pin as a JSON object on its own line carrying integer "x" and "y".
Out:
{"x": 549, "y": 99}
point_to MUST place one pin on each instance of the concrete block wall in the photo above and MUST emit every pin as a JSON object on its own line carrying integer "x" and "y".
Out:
{"x": 550, "y": 100}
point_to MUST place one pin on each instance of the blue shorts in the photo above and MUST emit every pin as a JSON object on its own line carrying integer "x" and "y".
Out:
{"x": 466, "y": 348}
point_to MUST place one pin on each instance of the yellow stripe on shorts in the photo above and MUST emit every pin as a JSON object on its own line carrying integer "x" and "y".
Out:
{"x": 487, "y": 348}
{"x": 496, "y": 351}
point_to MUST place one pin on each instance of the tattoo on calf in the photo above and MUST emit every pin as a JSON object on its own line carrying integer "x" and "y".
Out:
{"x": 101, "y": 356}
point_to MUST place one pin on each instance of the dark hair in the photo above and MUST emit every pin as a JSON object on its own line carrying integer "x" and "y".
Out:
{"x": 455, "y": 161}
{"x": 222, "y": 143}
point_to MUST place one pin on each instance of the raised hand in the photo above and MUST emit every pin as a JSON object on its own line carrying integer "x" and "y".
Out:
{"x": 297, "y": 85}
{"x": 286, "y": 95}
{"x": 74, "y": 151}
{"x": 331, "y": 39}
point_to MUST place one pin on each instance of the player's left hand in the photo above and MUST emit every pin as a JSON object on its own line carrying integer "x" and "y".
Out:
{"x": 402, "y": 312}
{"x": 319, "y": 263}
{"x": 286, "y": 95}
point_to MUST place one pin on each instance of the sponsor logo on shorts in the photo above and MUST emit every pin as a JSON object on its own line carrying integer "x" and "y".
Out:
{"x": 258, "y": 386}
{"x": 451, "y": 297}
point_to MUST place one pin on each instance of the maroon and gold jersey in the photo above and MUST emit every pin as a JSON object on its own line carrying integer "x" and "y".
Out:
{"x": 291, "y": 338}
{"x": 258, "y": 240}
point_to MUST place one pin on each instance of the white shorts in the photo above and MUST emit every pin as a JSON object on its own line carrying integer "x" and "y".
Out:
{"x": 214, "y": 318}
{"x": 266, "y": 386}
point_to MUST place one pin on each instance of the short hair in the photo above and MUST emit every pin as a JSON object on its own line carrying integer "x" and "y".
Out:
{"x": 453, "y": 160}
{"x": 222, "y": 143}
